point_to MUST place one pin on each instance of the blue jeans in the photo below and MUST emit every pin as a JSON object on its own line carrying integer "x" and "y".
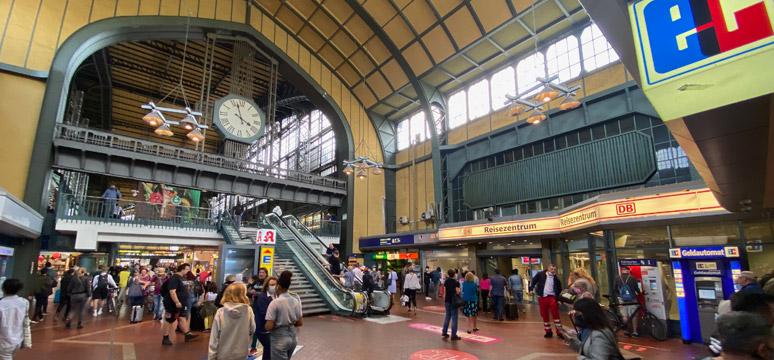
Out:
{"x": 518, "y": 297}
{"x": 191, "y": 302}
{"x": 158, "y": 307}
{"x": 497, "y": 307}
{"x": 451, "y": 313}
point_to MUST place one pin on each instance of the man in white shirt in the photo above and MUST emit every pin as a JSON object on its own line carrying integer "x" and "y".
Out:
{"x": 547, "y": 286}
{"x": 13, "y": 315}
{"x": 358, "y": 272}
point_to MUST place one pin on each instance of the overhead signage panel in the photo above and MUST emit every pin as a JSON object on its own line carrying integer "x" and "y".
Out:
{"x": 695, "y": 55}
{"x": 704, "y": 252}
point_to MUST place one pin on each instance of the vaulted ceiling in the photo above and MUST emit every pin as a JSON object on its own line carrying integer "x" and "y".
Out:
{"x": 377, "y": 47}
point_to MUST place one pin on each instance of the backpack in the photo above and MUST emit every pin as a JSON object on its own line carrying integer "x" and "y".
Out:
{"x": 625, "y": 292}
{"x": 165, "y": 288}
{"x": 102, "y": 281}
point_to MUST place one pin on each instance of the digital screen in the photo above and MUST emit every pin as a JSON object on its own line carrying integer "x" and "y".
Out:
{"x": 240, "y": 263}
{"x": 653, "y": 285}
{"x": 706, "y": 294}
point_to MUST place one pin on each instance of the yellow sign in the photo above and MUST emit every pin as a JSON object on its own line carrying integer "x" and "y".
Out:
{"x": 696, "y": 55}
{"x": 267, "y": 259}
{"x": 605, "y": 212}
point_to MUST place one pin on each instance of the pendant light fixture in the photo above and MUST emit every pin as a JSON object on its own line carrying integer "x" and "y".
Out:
{"x": 536, "y": 117}
{"x": 189, "y": 122}
{"x": 195, "y": 135}
{"x": 153, "y": 118}
{"x": 163, "y": 130}
{"x": 569, "y": 103}
{"x": 546, "y": 94}
{"x": 348, "y": 170}
{"x": 361, "y": 174}
{"x": 377, "y": 170}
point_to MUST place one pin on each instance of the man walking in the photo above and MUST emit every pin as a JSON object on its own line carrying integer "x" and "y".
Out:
{"x": 123, "y": 280}
{"x": 626, "y": 288}
{"x": 175, "y": 293}
{"x": 14, "y": 333}
{"x": 498, "y": 284}
{"x": 64, "y": 295}
{"x": 547, "y": 286}
{"x": 101, "y": 285}
{"x": 516, "y": 283}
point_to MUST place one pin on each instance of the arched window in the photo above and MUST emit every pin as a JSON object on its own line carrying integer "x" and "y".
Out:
{"x": 419, "y": 131}
{"x": 563, "y": 58}
{"x": 458, "y": 109}
{"x": 503, "y": 82}
{"x": 478, "y": 99}
{"x": 597, "y": 52}
{"x": 404, "y": 135}
{"x": 527, "y": 72}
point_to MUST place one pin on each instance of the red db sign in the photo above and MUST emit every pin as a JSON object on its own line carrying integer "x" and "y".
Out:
{"x": 625, "y": 208}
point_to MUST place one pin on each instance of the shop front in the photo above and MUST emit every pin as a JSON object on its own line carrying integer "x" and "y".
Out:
{"x": 20, "y": 230}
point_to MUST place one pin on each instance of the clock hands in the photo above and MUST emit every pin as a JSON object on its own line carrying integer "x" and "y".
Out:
{"x": 240, "y": 116}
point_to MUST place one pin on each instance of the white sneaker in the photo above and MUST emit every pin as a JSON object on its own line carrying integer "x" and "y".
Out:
{"x": 94, "y": 314}
{"x": 100, "y": 312}
{"x": 427, "y": 298}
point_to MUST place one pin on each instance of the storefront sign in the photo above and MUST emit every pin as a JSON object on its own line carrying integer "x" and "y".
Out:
{"x": 707, "y": 268}
{"x": 704, "y": 252}
{"x": 654, "y": 207}
{"x": 267, "y": 259}
{"x": 352, "y": 260}
{"x": 400, "y": 256}
{"x": 6, "y": 251}
{"x": 387, "y": 241}
{"x": 637, "y": 262}
{"x": 526, "y": 260}
{"x": 266, "y": 237}
{"x": 686, "y": 50}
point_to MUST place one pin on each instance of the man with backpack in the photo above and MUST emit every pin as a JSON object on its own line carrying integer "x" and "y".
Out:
{"x": 101, "y": 285}
{"x": 626, "y": 288}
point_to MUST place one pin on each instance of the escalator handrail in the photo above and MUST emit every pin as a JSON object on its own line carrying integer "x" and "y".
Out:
{"x": 295, "y": 219}
{"x": 325, "y": 271}
{"x": 301, "y": 236}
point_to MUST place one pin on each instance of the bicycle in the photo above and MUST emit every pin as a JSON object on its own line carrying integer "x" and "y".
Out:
{"x": 112, "y": 302}
{"x": 648, "y": 322}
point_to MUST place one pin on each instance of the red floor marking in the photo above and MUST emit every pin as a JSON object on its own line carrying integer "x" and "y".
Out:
{"x": 627, "y": 347}
{"x": 441, "y": 354}
{"x": 640, "y": 349}
{"x": 471, "y": 337}
{"x": 644, "y": 346}
{"x": 434, "y": 308}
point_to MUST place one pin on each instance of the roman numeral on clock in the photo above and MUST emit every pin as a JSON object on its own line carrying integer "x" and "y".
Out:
{"x": 254, "y": 129}
{"x": 230, "y": 128}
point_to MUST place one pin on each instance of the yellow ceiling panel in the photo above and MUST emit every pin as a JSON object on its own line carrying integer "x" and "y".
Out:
{"x": 382, "y": 109}
{"x": 510, "y": 34}
{"x": 271, "y": 5}
{"x": 491, "y": 13}
{"x": 396, "y": 101}
{"x": 365, "y": 95}
{"x": 570, "y": 5}
{"x": 395, "y": 74}
{"x": 417, "y": 58}
{"x": 545, "y": 14}
{"x": 340, "y": 9}
{"x": 463, "y": 28}
{"x": 311, "y": 38}
{"x": 377, "y": 82}
{"x": 496, "y": 62}
{"x": 348, "y": 73}
{"x": 445, "y": 6}
{"x": 304, "y": 7}
{"x": 420, "y": 15}
{"x": 401, "y": 4}
{"x": 344, "y": 43}
{"x": 438, "y": 44}
{"x": 381, "y": 10}
{"x": 399, "y": 32}
{"x": 435, "y": 78}
{"x": 358, "y": 28}
{"x": 287, "y": 17}
{"x": 324, "y": 23}
{"x": 409, "y": 92}
{"x": 378, "y": 51}
{"x": 457, "y": 65}
{"x": 331, "y": 56}
{"x": 522, "y": 5}
{"x": 362, "y": 63}
{"x": 482, "y": 51}
{"x": 470, "y": 76}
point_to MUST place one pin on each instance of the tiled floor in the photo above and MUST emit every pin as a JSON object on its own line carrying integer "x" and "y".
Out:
{"x": 334, "y": 337}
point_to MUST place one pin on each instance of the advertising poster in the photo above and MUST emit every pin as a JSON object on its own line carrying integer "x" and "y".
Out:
{"x": 160, "y": 201}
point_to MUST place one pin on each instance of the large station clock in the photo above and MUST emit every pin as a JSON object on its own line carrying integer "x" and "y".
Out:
{"x": 238, "y": 118}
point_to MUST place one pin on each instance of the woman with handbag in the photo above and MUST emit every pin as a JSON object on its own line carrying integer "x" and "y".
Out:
{"x": 452, "y": 302}
{"x": 470, "y": 296}
{"x": 601, "y": 343}
{"x": 410, "y": 288}
{"x": 136, "y": 298}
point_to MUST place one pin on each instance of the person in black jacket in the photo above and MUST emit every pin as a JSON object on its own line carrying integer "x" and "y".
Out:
{"x": 548, "y": 286}
{"x": 44, "y": 285}
{"x": 368, "y": 282}
{"x": 229, "y": 280}
{"x": 64, "y": 294}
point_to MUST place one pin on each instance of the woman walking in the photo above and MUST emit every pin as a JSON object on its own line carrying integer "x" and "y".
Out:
{"x": 485, "y": 292}
{"x": 410, "y": 288}
{"x": 80, "y": 292}
{"x": 208, "y": 308}
{"x": 470, "y": 296}
{"x": 601, "y": 343}
{"x": 136, "y": 296}
{"x": 233, "y": 326}
{"x": 260, "y": 306}
{"x": 282, "y": 317}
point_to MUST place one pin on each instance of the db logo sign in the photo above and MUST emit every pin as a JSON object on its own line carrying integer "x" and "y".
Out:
{"x": 625, "y": 208}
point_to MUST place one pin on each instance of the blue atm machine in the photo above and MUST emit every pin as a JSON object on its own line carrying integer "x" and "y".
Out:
{"x": 703, "y": 278}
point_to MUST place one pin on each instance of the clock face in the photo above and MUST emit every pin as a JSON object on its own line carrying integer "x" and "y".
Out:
{"x": 238, "y": 118}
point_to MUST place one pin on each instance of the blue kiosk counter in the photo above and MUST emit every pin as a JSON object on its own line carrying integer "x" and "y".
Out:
{"x": 703, "y": 278}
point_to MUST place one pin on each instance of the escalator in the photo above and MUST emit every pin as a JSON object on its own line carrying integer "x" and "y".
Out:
{"x": 318, "y": 289}
{"x": 231, "y": 234}
{"x": 380, "y": 301}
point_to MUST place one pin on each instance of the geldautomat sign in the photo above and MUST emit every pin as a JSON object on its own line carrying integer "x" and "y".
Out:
{"x": 704, "y": 252}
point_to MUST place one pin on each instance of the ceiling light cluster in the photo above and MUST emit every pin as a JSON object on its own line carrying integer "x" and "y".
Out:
{"x": 361, "y": 165}
{"x": 550, "y": 91}
{"x": 155, "y": 118}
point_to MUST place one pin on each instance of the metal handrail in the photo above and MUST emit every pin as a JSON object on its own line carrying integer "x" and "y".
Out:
{"x": 293, "y": 224}
{"x": 102, "y": 138}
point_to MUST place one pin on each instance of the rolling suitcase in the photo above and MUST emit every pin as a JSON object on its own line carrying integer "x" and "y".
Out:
{"x": 197, "y": 321}
{"x": 136, "y": 313}
{"x": 511, "y": 309}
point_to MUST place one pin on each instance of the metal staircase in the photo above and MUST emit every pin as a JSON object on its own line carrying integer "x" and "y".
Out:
{"x": 231, "y": 234}
{"x": 311, "y": 301}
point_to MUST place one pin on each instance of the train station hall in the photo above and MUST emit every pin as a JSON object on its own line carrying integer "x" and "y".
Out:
{"x": 386, "y": 179}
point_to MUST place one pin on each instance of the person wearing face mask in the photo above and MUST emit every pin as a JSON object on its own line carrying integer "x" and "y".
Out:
{"x": 261, "y": 304}
{"x": 547, "y": 286}
{"x": 283, "y": 315}
{"x": 601, "y": 343}
{"x": 582, "y": 289}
